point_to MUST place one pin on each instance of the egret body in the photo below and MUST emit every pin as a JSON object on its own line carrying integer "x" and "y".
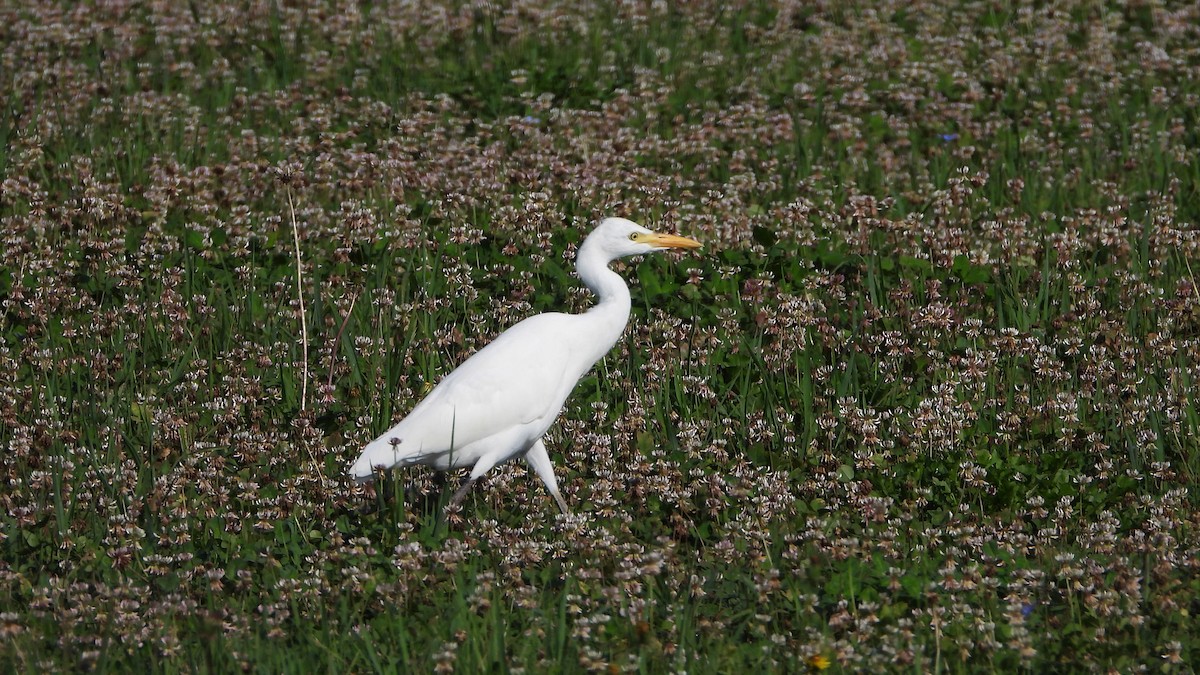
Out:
{"x": 499, "y": 403}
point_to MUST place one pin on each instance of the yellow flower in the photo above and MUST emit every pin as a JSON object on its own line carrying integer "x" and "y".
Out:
{"x": 818, "y": 662}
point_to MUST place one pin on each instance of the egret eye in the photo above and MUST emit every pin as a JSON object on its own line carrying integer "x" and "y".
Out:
{"x": 633, "y": 236}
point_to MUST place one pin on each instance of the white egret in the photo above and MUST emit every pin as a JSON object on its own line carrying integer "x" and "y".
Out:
{"x": 496, "y": 406}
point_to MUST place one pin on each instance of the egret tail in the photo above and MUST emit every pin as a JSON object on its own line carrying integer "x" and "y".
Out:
{"x": 383, "y": 453}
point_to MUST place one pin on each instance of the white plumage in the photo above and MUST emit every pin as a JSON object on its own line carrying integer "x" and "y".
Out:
{"x": 499, "y": 403}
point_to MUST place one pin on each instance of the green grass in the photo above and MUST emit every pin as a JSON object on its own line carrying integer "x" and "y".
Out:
{"x": 773, "y": 464}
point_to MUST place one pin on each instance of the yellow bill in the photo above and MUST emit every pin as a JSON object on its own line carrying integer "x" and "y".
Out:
{"x": 668, "y": 241}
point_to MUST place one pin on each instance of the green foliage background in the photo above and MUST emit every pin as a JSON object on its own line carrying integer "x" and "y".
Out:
{"x": 925, "y": 402}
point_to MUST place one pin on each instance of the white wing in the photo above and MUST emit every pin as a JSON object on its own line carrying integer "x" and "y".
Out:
{"x": 521, "y": 378}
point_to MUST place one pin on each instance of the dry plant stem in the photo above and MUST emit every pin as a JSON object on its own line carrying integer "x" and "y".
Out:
{"x": 303, "y": 324}
{"x": 300, "y": 298}
{"x": 338, "y": 338}
{"x": 1192, "y": 275}
{"x": 937, "y": 646}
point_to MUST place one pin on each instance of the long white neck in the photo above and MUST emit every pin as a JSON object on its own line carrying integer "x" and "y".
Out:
{"x": 606, "y": 321}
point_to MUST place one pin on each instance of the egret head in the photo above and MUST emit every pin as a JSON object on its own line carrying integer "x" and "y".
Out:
{"x": 619, "y": 238}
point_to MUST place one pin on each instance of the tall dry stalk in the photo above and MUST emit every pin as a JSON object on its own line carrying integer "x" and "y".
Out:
{"x": 300, "y": 298}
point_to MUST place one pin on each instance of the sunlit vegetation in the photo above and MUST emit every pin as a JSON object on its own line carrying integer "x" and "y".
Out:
{"x": 924, "y": 403}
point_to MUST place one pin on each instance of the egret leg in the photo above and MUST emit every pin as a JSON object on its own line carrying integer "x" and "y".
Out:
{"x": 501, "y": 452}
{"x": 462, "y": 492}
{"x": 539, "y": 461}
